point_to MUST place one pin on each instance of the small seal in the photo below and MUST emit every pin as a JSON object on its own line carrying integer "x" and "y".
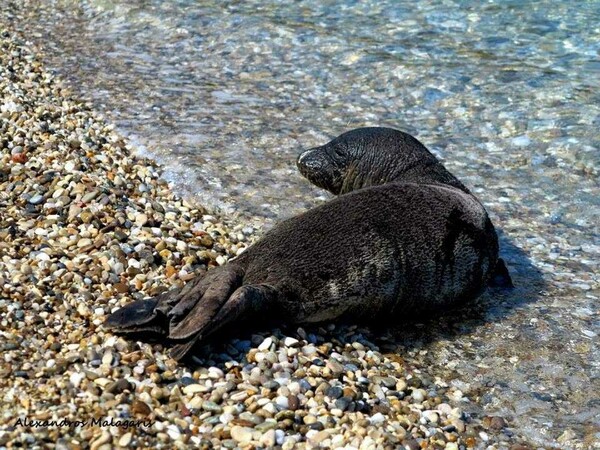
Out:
{"x": 402, "y": 236}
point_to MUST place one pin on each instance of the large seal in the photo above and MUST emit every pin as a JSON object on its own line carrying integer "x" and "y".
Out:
{"x": 403, "y": 236}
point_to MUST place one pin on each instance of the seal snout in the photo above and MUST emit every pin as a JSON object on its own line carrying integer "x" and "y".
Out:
{"x": 303, "y": 158}
{"x": 311, "y": 161}
{"x": 313, "y": 164}
{"x": 318, "y": 168}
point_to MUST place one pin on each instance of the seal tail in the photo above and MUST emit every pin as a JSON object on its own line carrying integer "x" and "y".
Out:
{"x": 500, "y": 276}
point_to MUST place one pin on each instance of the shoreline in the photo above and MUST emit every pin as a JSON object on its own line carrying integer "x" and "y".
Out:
{"x": 87, "y": 227}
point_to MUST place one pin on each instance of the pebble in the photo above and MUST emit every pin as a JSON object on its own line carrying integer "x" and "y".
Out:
{"x": 334, "y": 392}
{"x": 104, "y": 438}
{"x": 36, "y": 199}
{"x": 268, "y": 438}
{"x": 377, "y": 419}
{"x": 418, "y": 395}
{"x": 212, "y": 407}
{"x": 291, "y": 342}
{"x": 431, "y": 416}
{"x": 265, "y": 345}
{"x": 126, "y": 439}
{"x": 241, "y": 434}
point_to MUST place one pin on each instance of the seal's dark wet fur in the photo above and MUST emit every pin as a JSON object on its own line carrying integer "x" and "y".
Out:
{"x": 404, "y": 236}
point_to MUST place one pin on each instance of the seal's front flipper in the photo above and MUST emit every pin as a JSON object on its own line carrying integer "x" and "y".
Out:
{"x": 244, "y": 304}
{"x": 500, "y": 277}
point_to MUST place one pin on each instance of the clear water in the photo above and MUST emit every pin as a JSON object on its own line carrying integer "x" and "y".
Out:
{"x": 507, "y": 93}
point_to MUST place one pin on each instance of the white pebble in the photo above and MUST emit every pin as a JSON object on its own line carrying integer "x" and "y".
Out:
{"x": 76, "y": 378}
{"x": 265, "y": 345}
{"x": 282, "y": 402}
{"x": 215, "y": 373}
{"x": 377, "y": 419}
{"x": 241, "y": 434}
{"x": 291, "y": 342}
{"x": 279, "y": 436}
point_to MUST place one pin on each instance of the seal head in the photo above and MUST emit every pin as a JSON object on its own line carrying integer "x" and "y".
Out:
{"x": 372, "y": 156}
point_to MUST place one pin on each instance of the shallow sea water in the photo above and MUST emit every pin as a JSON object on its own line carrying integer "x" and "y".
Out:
{"x": 507, "y": 94}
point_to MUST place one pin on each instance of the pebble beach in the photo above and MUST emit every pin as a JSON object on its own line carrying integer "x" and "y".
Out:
{"x": 87, "y": 225}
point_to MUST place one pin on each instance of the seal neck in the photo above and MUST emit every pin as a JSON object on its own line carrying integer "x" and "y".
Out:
{"x": 420, "y": 172}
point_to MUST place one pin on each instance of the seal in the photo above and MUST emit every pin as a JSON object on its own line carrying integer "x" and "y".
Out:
{"x": 403, "y": 236}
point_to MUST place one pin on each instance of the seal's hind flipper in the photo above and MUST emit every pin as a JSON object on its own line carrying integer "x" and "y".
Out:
{"x": 180, "y": 350}
{"x": 242, "y": 305}
{"x": 200, "y": 305}
{"x": 142, "y": 316}
{"x": 159, "y": 314}
{"x": 214, "y": 284}
{"x": 500, "y": 277}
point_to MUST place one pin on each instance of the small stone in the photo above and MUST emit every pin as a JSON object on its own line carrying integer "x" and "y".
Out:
{"x": 418, "y": 395}
{"x": 319, "y": 437}
{"x": 104, "y": 438}
{"x": 349, "y": 392}
{"x": 36, "y": 199}
{"x": 121, "y": 288}
{"x": 212, "y": 407}
{"x": 268, "y": 438}
{"x": 411, "y": 444}
{"x": 335, "y": 367}
{"x": 377, "y": 419}
{"x": 141, "y": 220}
{"x": 119, "y": 386}
{"x": 309, "y": 418}
{"x": 241, "y": 434}
{"x": 83, "y": 310}
{"x": 194, "y": 389}
{"x": 85, "y": 242}
{"x": 291, "y": 342}
{"x": 86, "y": 216}
{"x": 89, "y": 196}
{"x": 75, "y": 378}
{"x": 334, "y": 392}
{"x": 141, "y": 408}
{"x": 70, "y": 166}
{"x": 125, "y": 440}
{"x": 497, "y": 423}
{"x": 431, "y": 416}
{"x": 343, "y": 403}
{"x": 271, "y": 384}
{"x": 215, "y": 373}
{"x": 173, "y": 432}
{"x": 282, "y": 402}
{"x": 293, "y": 402}
{"x": 265, "y": 345}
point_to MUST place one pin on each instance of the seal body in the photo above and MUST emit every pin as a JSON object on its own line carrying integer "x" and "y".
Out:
{"x": 403, "y": 236}
{"x": 415, "y": 248}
